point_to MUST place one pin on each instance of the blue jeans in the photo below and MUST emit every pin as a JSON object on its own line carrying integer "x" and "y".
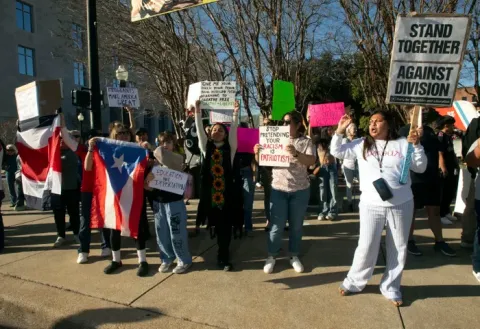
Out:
{"x": 248, "y": 196}
{"x": 287, "y": 206}
{"x": 85, "y": 233}
{"x": 476, "y": 243}
{"x": 11, "y": 187}
{"x": 266, "y": 180}
{"x": 171, "y": 227}
{"x": 328, "y": 181}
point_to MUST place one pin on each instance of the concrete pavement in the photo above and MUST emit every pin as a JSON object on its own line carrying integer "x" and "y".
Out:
{"x": 44, "y": 288}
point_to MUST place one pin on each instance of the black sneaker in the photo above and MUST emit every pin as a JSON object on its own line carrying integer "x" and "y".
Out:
{"x": 142, "y": 269}
{"x": 413, "y": 249}
{"x": 112, "y": 267}
{"x": 445, "y": 249}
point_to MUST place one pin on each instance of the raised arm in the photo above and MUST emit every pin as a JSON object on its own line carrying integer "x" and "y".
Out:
{"x": 202, "y": 136}
{"x": 232, "y": 137}
{"x": 67, "y": 138}
{"x": 131, "y": 118}
{"x": 345, "y": 151}
{"x": 88, "y": 164}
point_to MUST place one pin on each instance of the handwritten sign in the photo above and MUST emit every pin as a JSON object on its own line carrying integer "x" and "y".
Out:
{"x": 120, "y": 97}
{"x": 214, "y": 95}
{"x": 247, "y": 138}
{"x": 323, "y": 115}
{"x": 221, "y": 116}
{"x": 169, "y": 180}
{"x": 274, "y": 140}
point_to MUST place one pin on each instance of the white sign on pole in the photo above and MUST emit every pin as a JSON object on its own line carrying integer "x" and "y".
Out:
{"x": 427, "y": 57}
{"x": 274, "y": 140}
{"x": 221, "y": 116}
{"x": 120, "y": 97}
{"x": 214, "y": 95}
{"x": 169, "y": 180}
{"x": 27, "y": 103}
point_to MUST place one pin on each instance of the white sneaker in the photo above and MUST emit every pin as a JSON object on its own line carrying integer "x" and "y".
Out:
{"x": 181, "y": 268}
{"x": 269, "y": 265}
{"x": 164, "y": 267}
{"x": 82, "y": 258}
{"x": 60, "y": 242}
{"x": 451, "y": 217}
{"x": 76, "y": 238}
{"x": 476, "y": 275}
{"x": 321, "y": 217}
{"x": 106, "y": 252}
{"x": 446, "y": 221}
{"x": 296, "y": 264}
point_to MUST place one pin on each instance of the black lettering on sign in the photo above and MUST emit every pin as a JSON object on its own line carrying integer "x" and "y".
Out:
{"x": 422, "y": 88}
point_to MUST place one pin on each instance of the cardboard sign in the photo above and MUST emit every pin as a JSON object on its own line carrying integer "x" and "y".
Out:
{"x": 214, "y": 95}
{"x": 247, "y": 138}
{"x": 169, "y": 180}
{"x": 120, "y": 97}
{"x": 169, "y": 159}
{"x": 38, "y": 98}
{"x": 142, "y": 9}
{"x": 274, "y": 140}
{"x": 427, "y": 57}
{"x": 323, "y": 115}
{"x": 283, "y": 99}
{"x": 221, "y": 116}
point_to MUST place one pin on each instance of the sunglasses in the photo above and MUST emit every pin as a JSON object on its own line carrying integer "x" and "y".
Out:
{"x": 286, "y": 122}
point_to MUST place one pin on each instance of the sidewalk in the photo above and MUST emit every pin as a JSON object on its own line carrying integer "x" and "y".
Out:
{"x": 45, "y": 288}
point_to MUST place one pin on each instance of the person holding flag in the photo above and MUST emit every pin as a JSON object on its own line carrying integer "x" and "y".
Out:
{"x": 118, "y": 195}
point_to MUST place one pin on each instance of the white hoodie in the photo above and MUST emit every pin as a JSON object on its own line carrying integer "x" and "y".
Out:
{"x": 369, "y": 168}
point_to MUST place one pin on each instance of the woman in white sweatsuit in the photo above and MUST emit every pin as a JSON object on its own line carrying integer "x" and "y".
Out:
{"x": 380, "y": 155}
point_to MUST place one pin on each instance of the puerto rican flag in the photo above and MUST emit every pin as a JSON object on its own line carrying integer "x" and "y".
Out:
{"x": 39, "y": 150}
{"x": 119, "y": 169}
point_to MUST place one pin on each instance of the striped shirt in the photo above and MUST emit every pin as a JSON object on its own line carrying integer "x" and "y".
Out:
{"x": 294, "y": 178}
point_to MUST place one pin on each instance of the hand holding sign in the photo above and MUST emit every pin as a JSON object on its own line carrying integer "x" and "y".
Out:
{"x": 323, "y": 115}
{"x": 168, "y": 180}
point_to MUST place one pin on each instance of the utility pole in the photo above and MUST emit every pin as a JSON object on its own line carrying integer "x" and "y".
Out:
{"x": 93, "y": 67}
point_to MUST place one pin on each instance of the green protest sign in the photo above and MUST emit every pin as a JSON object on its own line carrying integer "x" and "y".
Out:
{"x": 283, "y": 99}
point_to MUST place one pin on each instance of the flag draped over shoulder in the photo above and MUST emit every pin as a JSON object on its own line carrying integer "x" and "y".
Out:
{"x": 39, "y": 150}
{"x": 119, "y": 169}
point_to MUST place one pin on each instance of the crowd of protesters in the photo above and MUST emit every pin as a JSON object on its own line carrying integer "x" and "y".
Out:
{"x": 224, "y": 180}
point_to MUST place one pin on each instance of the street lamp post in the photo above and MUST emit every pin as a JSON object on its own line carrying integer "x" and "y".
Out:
{"x": 122, "y": 75}
{"x": 80, "y": 118}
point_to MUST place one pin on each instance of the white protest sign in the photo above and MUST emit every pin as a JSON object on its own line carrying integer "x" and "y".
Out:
{"x": 27, "y": 103}
{"x": 221, "y": 116}
{"x": 169, "y": 180}
{"x": 427, "y": 57}
{"x": 273, "y": 140}
{"x": 120, "y": 97}
{"x": 214, "y": 95}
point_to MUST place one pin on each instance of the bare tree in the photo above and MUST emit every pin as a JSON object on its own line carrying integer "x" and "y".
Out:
{"x": 472, "y": 54}
{"x": 8, "y": 131}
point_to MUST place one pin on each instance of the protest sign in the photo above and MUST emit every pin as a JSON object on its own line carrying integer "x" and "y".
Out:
{"x": 120, "y": 97}
{"x": 323, "y": 115}
{"x": 283, "y": 99}
{"x": 168, "y": 158}
{"x": 247, "y": 138}
{"x": 214, "y": 95}
{"x": 38, "y": 98}
{"x": 221, "y": 116}
{"x": 273, "y": 140}
{"x": 169, "y": 180}
{"x": 143, "y": 9}
{"x": 427, "y": 57}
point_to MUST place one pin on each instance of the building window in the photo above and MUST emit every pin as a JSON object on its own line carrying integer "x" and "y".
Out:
{"x": 26, "y": 61}
{"x": 464, "y": 98}
{"x": 24, "y": 16}
{"x": 79, "y": 74}
{"x": 77, "y": 36}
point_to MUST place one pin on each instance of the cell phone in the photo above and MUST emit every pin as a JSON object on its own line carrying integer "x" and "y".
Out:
{"x": 382, "y": 188}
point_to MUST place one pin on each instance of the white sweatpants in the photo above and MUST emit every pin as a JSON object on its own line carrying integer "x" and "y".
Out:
{"x": 373, "y": 219}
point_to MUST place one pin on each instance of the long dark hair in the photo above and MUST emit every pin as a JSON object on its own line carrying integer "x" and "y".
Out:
{"x": 297, "y": 118}
{"x": 224, "y": 128}
{"x": 392, "y": 131}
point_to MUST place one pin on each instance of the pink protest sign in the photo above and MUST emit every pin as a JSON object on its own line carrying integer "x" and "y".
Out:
{"x": 322, "y": 115}
{"x": 247, "y": 138}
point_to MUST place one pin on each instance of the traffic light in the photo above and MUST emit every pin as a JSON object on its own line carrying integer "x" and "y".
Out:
{"x": 81, "y": 98}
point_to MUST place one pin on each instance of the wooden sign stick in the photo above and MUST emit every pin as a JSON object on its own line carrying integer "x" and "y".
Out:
{"x": 414, "y": 125}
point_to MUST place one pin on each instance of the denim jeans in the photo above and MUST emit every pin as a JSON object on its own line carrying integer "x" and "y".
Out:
{"x": 284, "y": 206}
{"x": 85, "y": 233}
{"x": 266, "y": 180}
{"x": 476, "y": 243}
{"x": 11, "y": 187}
{"x": 171, "y": 227}
{"x": 248, "y": 196}
{"x": 328, "y": 181}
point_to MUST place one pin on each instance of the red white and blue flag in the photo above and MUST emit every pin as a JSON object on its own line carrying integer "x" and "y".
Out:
{"x": 119, "y": 169}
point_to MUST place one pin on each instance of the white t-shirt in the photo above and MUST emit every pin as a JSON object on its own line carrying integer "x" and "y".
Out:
{"x": 477, "y": 178}
{"x": 369, "y": 168}
{"x": 347, "y": 163}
